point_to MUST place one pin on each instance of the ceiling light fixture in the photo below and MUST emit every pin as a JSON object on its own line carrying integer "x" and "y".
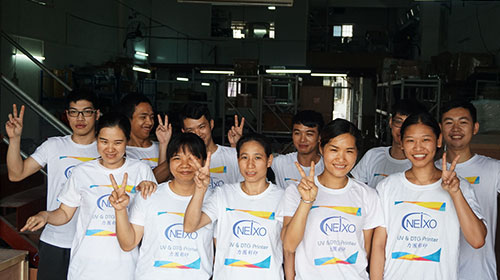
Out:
{"x": 141, "y": 54}
{"x": 140, "y": 69}
{"x": 205, "y": 84}
{"x": 288, "y": 71}
{"x": 220, "y": 72}
{"x": 182, "y": 79}
{"x": 20, "y": 55}
{"x": 328, "y": 75}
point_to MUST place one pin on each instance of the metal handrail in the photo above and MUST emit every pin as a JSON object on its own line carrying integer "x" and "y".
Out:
{"x": 39, "y": 110}
{"x": 23, "y": 154}
{"x": 38, "y": 63}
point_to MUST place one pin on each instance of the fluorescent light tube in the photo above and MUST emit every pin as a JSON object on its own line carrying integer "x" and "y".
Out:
{"x": 140, "y": 69}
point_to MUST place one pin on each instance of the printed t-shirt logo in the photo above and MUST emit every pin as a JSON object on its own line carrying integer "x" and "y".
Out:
{"x": 128, "y": 188}
{"x": 176, "y": 231}
{"x": 103, "y": 202}
{"x": 336, "y": 224}
{"x": 173, "y": 213}
{"x": 68, "y": 170}
{"x": 356, "y": 211}
{"x": 418, "y": 220}
{"x": 260, "y": 214}
{"x": 266, "y": 263}
{"x": 325, "y": 261}
{"x": 151, "y": 159}
{"x": 291, "y": 179}
{"x": 220, "y": 169}
{"x": 99, "y": 232}
{"x": 474, "y": 180}
{"x": 248, "y": 228}
{"x": 434, "y": 257}
{"x": 380, "y": 174}
{"x": 84, "y": 159}
{"x": 439, "y": 206}
{"x": 170, "y": 264}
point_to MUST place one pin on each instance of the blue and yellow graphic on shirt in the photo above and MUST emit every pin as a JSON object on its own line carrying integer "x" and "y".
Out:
{"x": 473, "y": 180}
{"x": 78, "y": 158}
{"x": 325, "y": 261}
{"x": 239, "y": 263}
{"x": 220, "y": 169}
{"x": 173, "y": 213}
{"x": 261, "y": 214}
{"x": 170, "y": 264}
{"x": 128, "y": 188}
{"x": 291, "y": 179}
{"x": 380, "y": 174}
{"x": 434, "y": 257}
{"x": 151, "y": 159}
{"x": 439, "y": 206}
{"x": 99, "y": 232}
{"x": 356, "y": 211}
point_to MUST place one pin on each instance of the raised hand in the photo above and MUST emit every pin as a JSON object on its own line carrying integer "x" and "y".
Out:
{"x": 307, "y": 188}
{"x": 164, "y": 130}
{"x": 147, "y": 188}
{"x": 234, "y": 134}
{"x": 36, "y": 222}
{"x": 119, "y": 199}
{"x": 450, "y": 181}
{"x": 202, "y": 173}
{"x": 14, "y": 126}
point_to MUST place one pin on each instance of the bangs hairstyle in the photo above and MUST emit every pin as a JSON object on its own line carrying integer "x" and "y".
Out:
{"x": 187, "y": 142}
{"x": 82, "y": 94}
{"x": 424, "y": 118}
{"x": 195, "y": 111}
{"x": 259, "y": 138}
{"x": 130, "y": 101}
{"x": 406, "y": 107}
{"x": 460, "y": 103}
{"x": 310, "y": 119}
{"x": 338, "y": 127}
{"x": 114, "y": 119}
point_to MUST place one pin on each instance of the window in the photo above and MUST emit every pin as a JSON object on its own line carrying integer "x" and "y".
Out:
{"x": 242, "y": 29}
{"x": 344, "y": 30}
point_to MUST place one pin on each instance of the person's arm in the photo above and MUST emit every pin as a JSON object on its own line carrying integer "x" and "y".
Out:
{"x": 57, "y": 217}
{"x": 163, "y": 134}
{"x": 161, "y": 172}
{"x": 368, "y": 235}
{"x": 377, "y": 256}
{"x": 289, "y": 257}
{"x": 472, "y": 227}
{"x": 17, "y": 168}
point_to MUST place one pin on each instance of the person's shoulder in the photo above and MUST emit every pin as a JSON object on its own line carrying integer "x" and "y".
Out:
{"x": 374, "y": 153}
{"x": 85, "y": 166}
{"x": 485, "y": 160}
{"x": 290, "y": 157}
{"x": 58, "y": 140}
{"x": 136, "y": 164}
{"x": 275, "y": 189}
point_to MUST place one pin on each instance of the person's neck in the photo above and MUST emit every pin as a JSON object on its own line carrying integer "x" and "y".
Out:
{"x": 138, "y": 142}
{"x": 212, "y": 147}
{"x": 305, "y": 159}
{"x": 426, "y": 175}
{"x": 84, "y": 139}
{"x": 396, "y": 152}
{"x": 182, "y": 188}
{"x": 465, "y": 154}
{"x": 114, "y": 165}
{"x": 332, "y": 182}
{"x": 254, "y": 188}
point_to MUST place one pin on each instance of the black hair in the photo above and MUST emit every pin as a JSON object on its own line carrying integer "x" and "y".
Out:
{"x": 195, "y": 111}
{"x": 187, "y": 141}
{"x": 406, "y": 107}
{"x": 82, "y": 94}
{"x": 424, "y": 118}
{"x": 338, "y": 127}
{"x": 459, "y": 103}
{"x": 309, "y": 118}
{"x": 113, "y": 119}
{"x": 264, "y": 142}
{"x": 130, "y": 101}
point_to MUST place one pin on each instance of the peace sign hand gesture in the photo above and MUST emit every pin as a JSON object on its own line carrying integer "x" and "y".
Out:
{"x": 236, "y": 131}
{"x": 202, "y": 173}
{"x": 119, "y": 199}
{"x": 164, "y": 130}
{"x": 450, "y": 181}
{"x": 307, "y": 188}
{"x": 14, "y": 126}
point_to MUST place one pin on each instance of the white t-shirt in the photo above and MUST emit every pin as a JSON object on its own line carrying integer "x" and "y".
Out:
{"x": 483, "y": 173}
{"x": 95, "y": 253}
{"x": 249, "y": 227}
{"x": 224, "y": 167}
{"x": 61, "y": 155}
{"x": 147, "y": 155}
{"x": 333, "y": 243}
{"x": 422, "y": 228}
{"x": 167, "y": 252}
{"x": 377, "y": 164}
{"x": 287, "y": 173}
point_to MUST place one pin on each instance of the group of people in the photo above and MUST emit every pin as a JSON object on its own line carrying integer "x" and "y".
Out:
{"x": 120, "y": 206}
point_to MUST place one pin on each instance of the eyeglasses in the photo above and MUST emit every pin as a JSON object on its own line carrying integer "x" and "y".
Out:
{"x": 75, "y": 113}
{"x": 397, "y": 122}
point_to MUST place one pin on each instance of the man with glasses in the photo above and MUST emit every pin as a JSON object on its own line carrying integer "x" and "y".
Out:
{"x": 61, "y": 155}
{"x": 381, "y": 162}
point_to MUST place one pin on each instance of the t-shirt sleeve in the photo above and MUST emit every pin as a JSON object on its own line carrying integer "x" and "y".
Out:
{"x": 374, "y": 214}
{"x": 210, "y": 203}
{"x": 71, "y": 195}
{"x": 470, "y": 197}
{"x": 280, "y": 209}
{"x": 41, "y": 154}
{"x": 360, "y": 171}
{"x": 291, "y": 201}
{"x": 137, "y": 213}
{"x": 497, "y": 165}
{"x": 381, "y": 188}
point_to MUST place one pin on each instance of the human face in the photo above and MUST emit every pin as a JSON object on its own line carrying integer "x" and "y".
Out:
{"x": 339, "y": 155}
{"x": 253, "y": 161}
{"x": 81, "y": 125}
{"x": 142, "y": 121}
{"x": 201, "y": 127}
{"x": 395, "y": 124}
{"x": 458, "y": 128}
{"x": 420, "y": 144}
{"x": 305, "y": 139}
{"x": 181, "y": 165}
{"x": 111, "y": 143}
